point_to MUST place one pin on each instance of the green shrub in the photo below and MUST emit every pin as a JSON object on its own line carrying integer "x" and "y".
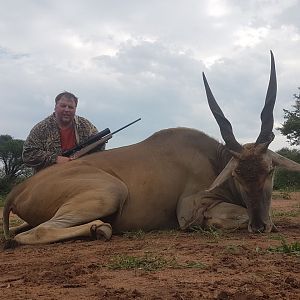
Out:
{"x": 147, "y": 262}
{"x": 2, "y": 198}
{"x": 287, "y": 180}
{"x": 292, "y": 248}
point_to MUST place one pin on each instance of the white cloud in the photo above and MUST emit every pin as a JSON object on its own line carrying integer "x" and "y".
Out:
{"x": 129, "y": 59}
{"x": 250, "y": 37}
{"x": 217, "y": 8}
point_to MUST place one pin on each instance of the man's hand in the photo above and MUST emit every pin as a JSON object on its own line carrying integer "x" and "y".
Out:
{"x": 62, "y": 159}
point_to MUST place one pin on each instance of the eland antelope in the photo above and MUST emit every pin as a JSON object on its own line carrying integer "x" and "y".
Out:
{"x": 176, "y": 178}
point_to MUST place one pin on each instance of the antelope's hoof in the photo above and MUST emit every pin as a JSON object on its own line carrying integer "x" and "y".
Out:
{"x": 101, "y": 232}
{"x": 274, "y": 229}
{"x": 10, "y": 244}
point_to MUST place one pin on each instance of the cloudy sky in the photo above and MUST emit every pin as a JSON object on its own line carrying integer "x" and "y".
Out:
{"x": 141, "y": 58}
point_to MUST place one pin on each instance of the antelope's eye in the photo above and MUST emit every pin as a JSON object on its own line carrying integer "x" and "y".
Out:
{"x": 234, "y": 174}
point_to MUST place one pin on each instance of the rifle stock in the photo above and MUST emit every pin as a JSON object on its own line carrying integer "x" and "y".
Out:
{"x": 89, "y": 141}
{"x": 90, "y": 147}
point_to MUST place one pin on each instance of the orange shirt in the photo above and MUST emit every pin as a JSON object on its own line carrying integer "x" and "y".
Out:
{"x": 67, "y": 138}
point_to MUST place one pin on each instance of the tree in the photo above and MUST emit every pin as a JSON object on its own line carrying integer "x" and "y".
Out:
{"x": 291, "y": 126}
{"x": 12, "y": 168}
{"x": 287, "y": 179}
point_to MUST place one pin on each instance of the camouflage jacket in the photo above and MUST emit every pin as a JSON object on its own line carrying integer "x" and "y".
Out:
{"x": 43, "y": 145}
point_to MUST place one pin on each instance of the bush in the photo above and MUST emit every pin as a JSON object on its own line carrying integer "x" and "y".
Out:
{"x": 287, "y": 179}
{"x": 2, "y": 198}
{"x": 5, "y": 186}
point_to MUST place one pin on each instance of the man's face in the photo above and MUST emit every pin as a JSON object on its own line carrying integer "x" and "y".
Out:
{"x": 65, "y": 110}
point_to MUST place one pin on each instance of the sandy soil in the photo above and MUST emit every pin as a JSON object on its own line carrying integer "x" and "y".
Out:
{"x": 162, "y": 265}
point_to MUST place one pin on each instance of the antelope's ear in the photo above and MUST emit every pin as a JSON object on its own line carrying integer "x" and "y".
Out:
{"x": 224, "y": 175}
{"x": 283, "y": 162}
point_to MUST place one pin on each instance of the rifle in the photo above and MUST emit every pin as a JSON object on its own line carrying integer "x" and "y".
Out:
{"x": 98, "y": 139}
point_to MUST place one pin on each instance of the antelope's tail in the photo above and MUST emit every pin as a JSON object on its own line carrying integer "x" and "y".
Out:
{"x": 6, "y": 211}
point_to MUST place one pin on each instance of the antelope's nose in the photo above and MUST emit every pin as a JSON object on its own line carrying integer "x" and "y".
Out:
{"x": 257, "y": 228}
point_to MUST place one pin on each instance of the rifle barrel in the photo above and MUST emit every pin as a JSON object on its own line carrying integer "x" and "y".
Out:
{"x": 126, "y": 126}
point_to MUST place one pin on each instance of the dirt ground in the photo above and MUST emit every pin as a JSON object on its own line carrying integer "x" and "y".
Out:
{"x": 207, "y": 264}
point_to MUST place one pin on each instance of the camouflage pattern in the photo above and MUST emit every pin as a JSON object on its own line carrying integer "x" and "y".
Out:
{"x": 43, "y": 145}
